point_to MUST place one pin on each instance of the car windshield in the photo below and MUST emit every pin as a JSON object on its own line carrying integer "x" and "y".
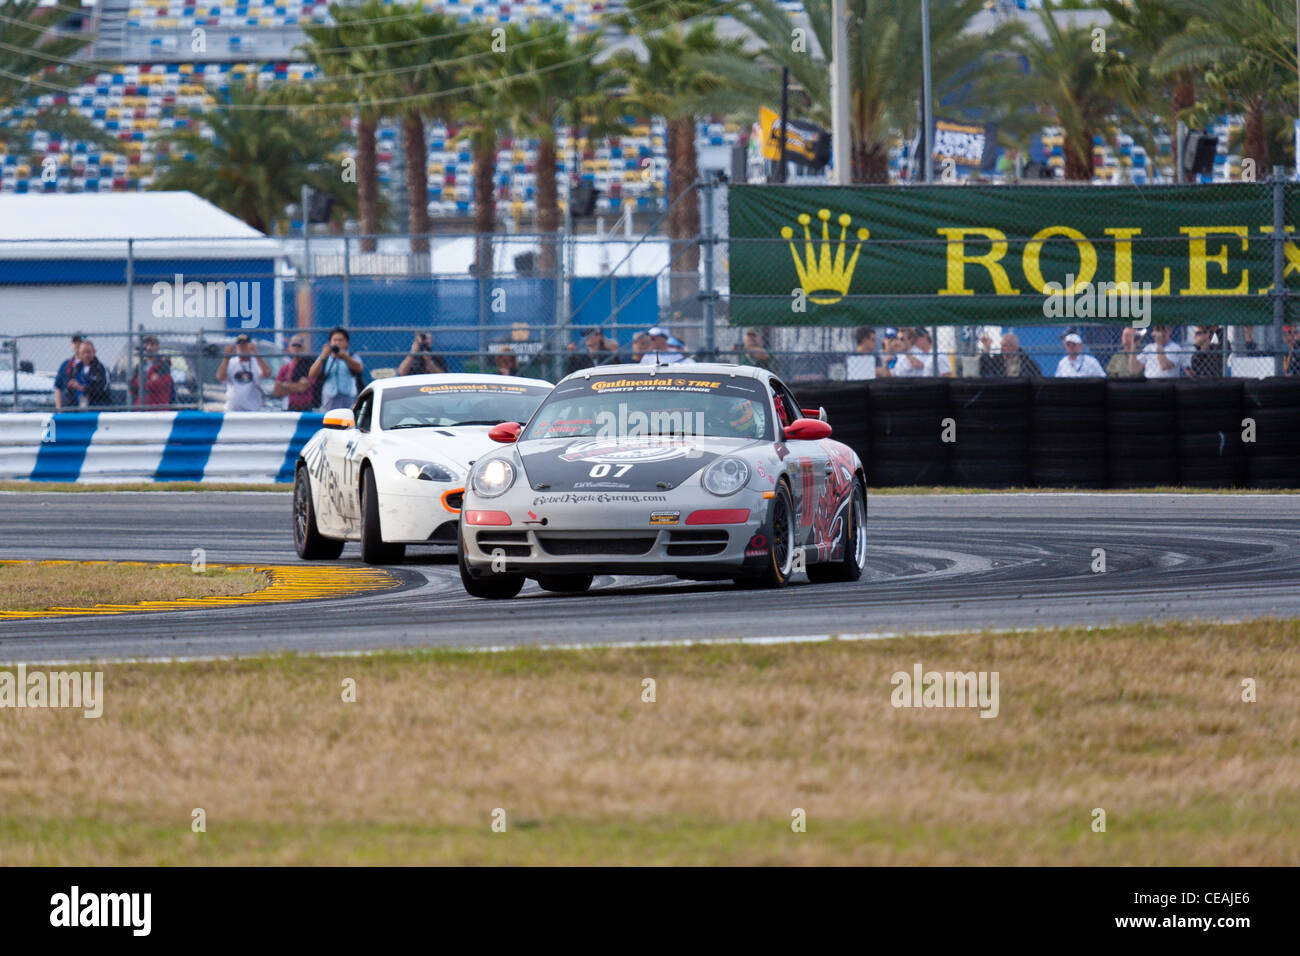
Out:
{"x": 634, "y": 405}
{"x": 458, "y": 403}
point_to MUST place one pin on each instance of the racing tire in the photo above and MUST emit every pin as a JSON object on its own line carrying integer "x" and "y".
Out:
{"x": 493, "y": 587}
{"x": 565, "y": 583}
{"x": 780, "y": 531}
{"x": 374, "y": 550}
{"x": 854, "y": 561}
{"x": 310, "y": 544}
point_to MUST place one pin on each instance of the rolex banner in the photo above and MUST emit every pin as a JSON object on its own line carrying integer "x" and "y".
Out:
{"x": 1018, "y": 255}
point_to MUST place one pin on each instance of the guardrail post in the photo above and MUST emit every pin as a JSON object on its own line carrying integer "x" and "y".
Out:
{"x": 130, "y": 309}
{"x": 707, "y": 294}
{"x": 13, "y": 350}
{"x": 1279, "y": 264}
{"x": 347, "y": 285}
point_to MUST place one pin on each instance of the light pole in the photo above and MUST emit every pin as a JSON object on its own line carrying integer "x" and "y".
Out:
{"x": 841, "y": 134}
{"x": 927, "y": 125}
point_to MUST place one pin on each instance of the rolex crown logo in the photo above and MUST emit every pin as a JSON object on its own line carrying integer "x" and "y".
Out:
{"x": 824, "y": 276}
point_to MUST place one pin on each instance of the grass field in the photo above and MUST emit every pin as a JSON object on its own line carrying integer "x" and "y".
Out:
{"x": 1145, "y": 722}
{"x": 39, "y": 585}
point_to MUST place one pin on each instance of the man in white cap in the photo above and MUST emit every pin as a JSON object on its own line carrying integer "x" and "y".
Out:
{"x": 659, "y": 351}
{"x": 1076, "y": 363}
{"x": 1163, "y": 357}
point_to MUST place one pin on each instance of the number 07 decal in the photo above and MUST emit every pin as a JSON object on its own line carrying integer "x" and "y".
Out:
{"x": 601, "y": 471}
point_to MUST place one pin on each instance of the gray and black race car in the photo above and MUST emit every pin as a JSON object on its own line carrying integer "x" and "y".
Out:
{"x": 703, "y": 471}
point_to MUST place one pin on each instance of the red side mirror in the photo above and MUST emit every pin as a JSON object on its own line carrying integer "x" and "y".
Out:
{"x": 507, "y": 433}
{"x": 807, "y": 429}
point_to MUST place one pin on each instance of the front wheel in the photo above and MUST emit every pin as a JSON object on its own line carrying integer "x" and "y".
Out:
{"x": 494, "y": 587}
{"x": 780, "y": 531}
{"x": 373, "y": 548}
{"x": 310, "y": 544}
{"x": 854, "y": 543}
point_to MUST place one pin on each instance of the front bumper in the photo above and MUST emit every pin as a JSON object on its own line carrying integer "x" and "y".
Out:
{"x": 616, "y": 534}
{"x": 423, "y": 518}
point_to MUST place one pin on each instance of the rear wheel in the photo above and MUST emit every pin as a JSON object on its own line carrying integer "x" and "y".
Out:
{"x": 310, "y": 544}
{"x": 485, "y": 584}
{"x": 780, "y": 531}
{"x": 854, "y": 541}
{"x": 565, "y": 583}
{"x": 373, "y": 548}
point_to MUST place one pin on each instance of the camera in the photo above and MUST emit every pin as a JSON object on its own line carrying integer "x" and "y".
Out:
{"x": 334, "y": 349}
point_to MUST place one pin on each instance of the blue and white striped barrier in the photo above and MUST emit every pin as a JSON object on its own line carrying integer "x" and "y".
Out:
{"x": 154, "y": 446}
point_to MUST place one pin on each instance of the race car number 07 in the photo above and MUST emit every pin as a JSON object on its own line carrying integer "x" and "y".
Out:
{"x": 600, "y": 471}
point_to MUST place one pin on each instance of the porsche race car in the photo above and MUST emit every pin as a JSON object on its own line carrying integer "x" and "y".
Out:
{"x": 702, "y": 471}
{"x": 390, "y": 471}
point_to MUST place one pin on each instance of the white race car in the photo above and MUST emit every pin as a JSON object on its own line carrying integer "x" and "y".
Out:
{"x": 391, "y": 471}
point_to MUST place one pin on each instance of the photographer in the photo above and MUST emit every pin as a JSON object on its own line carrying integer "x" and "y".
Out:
{"x": 339, "y": 371}
{"x": 422, "y": 361}
{"x": 242, "y": 370}
{"x": 293, "y": 384}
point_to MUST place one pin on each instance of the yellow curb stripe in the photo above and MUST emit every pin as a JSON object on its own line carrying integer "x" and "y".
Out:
{"x": 285, "y": 583}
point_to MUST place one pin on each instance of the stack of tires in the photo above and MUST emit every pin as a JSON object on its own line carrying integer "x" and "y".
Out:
{"x": 907, "y": 446}
{"x": 992, "y": 432}
{"x": 1141, "y": 433}
{"x": 1210, "y": 451}
{"x": 1273, "y": 459}
{"x": 1067, "y": 432}
{"x": 846, "y": 410}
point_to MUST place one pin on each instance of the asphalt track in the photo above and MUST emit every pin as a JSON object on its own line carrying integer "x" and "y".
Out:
{"x": 936, "y": 563}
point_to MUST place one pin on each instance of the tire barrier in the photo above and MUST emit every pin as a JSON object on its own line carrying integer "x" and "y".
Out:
{"x": 154, "y": 446}
{"x": 907, "y": 446}
{"x": 991, "y": 449}
{"x": 1067, "y": 433}
{"x": 1273, "y": 459}
{"x": 1070, "y": 433}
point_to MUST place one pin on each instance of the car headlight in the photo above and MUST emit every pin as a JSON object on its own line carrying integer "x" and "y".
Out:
{"x": 725, "y": 476}
{"x": 494, "y": 478}
{"x": 423, "y": 470}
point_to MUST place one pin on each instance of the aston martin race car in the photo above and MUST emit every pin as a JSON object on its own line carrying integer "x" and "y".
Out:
{"x": 701, "y": 471}
{"x": 390, "y": 471}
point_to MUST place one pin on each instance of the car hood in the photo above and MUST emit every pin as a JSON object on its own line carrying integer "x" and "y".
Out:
{"x": 459, "y": 445}
{"x": 621, "y": 464}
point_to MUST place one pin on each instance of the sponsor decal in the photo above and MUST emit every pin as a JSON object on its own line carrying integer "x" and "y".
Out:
{"x": 595, "y": 499}
{"x": 656, "y": 384}
{"x": 665, "y": 517}
{"x": 601, "y": 484}
{"x": 614, "y": 452}
{"x": 757, "y": 547}
{"x": 475, "y": 387}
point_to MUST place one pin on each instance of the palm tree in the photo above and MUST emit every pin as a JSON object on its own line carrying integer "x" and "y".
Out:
{"x": 685, "y": 71}
{"x": 344, "y": 51}
{"x": 482, "y": 111}
{"x": 259, "y": 156}
{"x": 543, "y": 76}
{"x": 885, "y": 43}
{"x": 1247, "y": 50}
{"x": 32, "y": 63}
{"x": 422, "y": 51}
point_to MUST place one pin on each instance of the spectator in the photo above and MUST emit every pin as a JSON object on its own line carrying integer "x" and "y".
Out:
{"x": 422, "y": 361}
{"x": 908, "y": 361}
{"x": 66, "y": 371}
{"x": 599, "y": 351}
{"x": 1011, "y": 363}
{"x": 1162, "y": 358}
{"x": 751, "y": 352}
{"x": 1078, "y": 364}
{"x": 659, "y": 350}
{"x": 640, "y": 345}
{"x": 925, "y": 346}
{"x": 1291, "y": 338}
{"x": 159, "y": 388}
{"x": 242, "y": 370}
{"x": 1121, "y": 363}
{"x": 864, "y": 363}
{"x": 339, "y": 372}
{"x": 1207, "y": 360}
{"x": 88, "y": 383}
{"x": 507, "y": 362}
{"x": 294, "y": 382}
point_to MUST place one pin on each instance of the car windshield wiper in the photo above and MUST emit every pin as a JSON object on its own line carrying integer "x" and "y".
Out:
{"x": 393, "y": 428}
{"x": 485, "y": 421}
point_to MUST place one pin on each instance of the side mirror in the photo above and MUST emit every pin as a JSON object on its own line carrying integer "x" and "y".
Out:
{"x": 339, "y": 418}
{"x": 807, "y": 429}
{"x": 507, "y": 433}
{"x": 818, "y": 413}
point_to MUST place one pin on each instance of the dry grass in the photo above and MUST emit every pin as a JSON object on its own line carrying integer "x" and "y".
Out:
{"x": 45, "y": 584}
{"x": 1146, "y": 722}
{"x": 42, "y": 486}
